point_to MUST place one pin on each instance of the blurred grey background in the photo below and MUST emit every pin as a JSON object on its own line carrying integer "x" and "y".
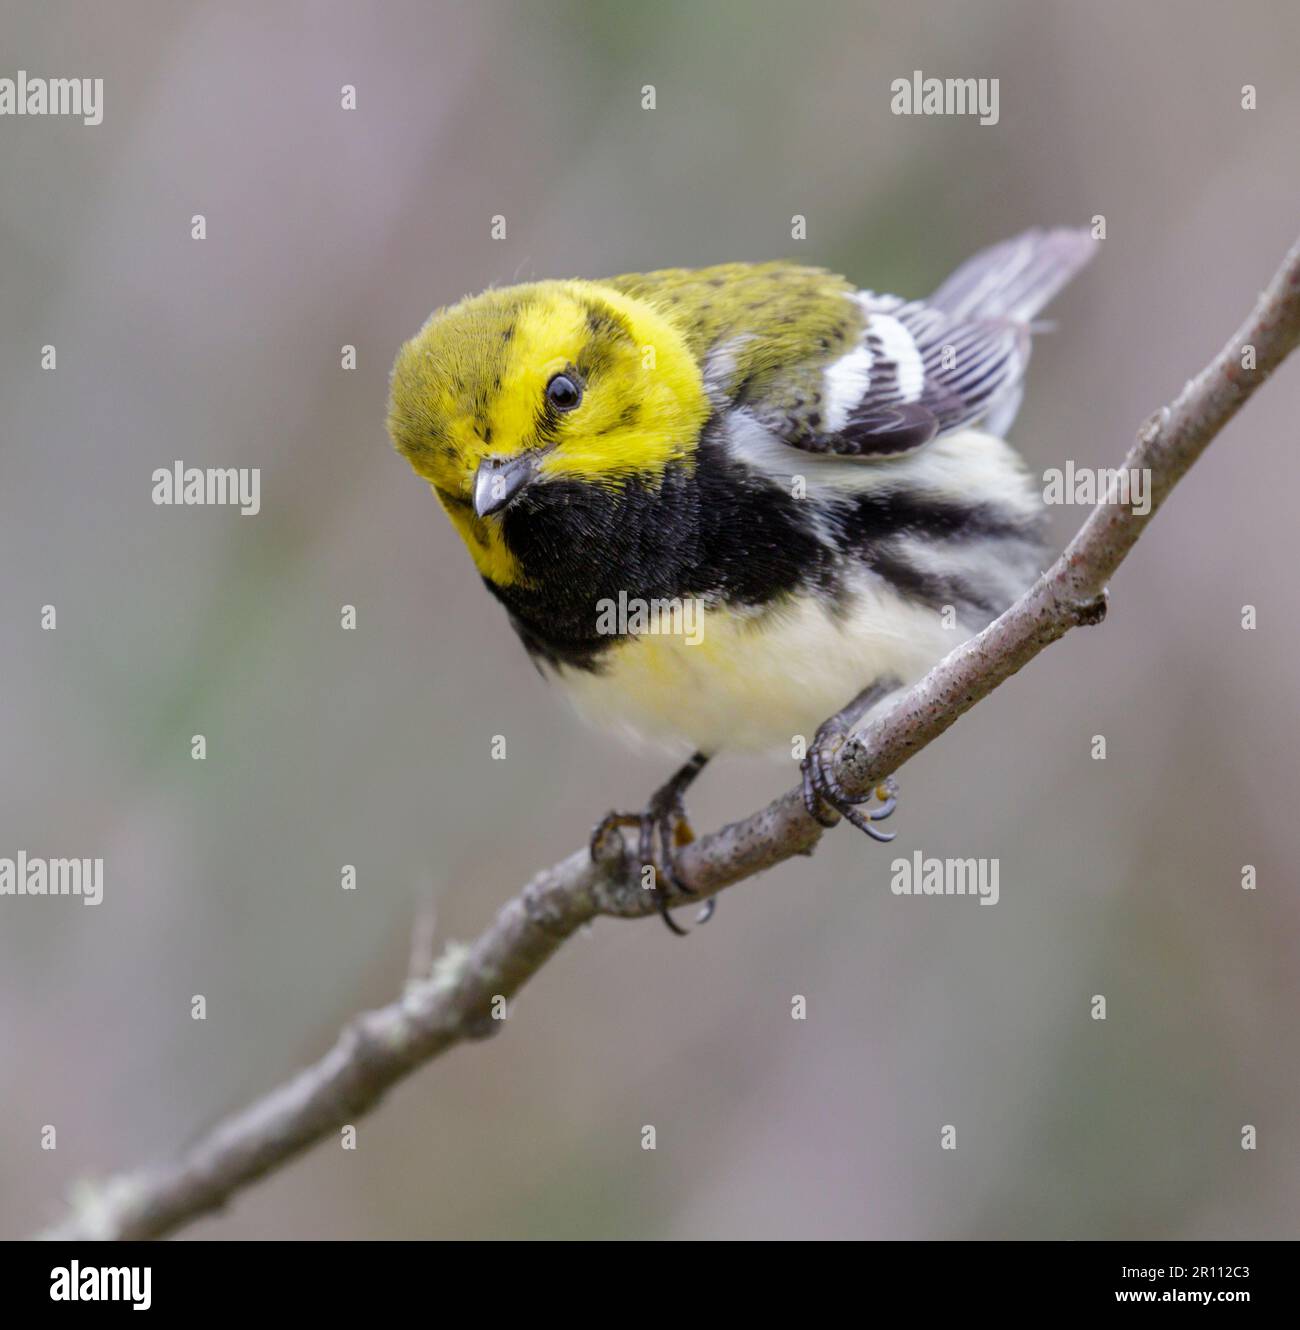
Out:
{"x": 328, "y": 227}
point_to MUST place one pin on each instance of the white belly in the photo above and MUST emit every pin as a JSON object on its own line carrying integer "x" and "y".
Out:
{"x": 754, "y": 684}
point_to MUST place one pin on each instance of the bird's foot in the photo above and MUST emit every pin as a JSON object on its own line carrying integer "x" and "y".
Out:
{"x": 827, "y": 800}
{"x": 662, "y": 829}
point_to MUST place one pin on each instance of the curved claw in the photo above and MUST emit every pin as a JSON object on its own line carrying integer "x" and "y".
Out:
{"x": 663, "y": 820}
{"x": 822, "y": 791}
{"x": 668, "y": 832}
{"x": 863, "y": 822}
{"x": 816, "y": 808}
{"x": 673, "y": 926}
{"x": 674, "y": 831}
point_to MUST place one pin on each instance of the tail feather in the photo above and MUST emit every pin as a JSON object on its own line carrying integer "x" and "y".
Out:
{"x": 1016, "y": 279}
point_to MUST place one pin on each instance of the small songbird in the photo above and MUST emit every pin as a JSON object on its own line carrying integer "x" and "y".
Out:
{"x": 721, "y": 505}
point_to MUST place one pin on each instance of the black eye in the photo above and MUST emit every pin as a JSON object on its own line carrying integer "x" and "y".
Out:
{"x": 562, "y": 393}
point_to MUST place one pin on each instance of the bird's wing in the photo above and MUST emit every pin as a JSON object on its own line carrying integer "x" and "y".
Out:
{"x": 919, "y": 369}
{"x": 914, "y": 374}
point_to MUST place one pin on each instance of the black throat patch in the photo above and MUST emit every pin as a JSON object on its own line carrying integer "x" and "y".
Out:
{"x": 713, "y": 530}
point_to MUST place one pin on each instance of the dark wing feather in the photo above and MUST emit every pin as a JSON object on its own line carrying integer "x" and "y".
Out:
{"x": 926, "y": 368}
{"x": 959, "y": 371}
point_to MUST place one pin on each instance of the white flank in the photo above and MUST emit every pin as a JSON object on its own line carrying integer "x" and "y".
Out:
{"x": 968, "y": 466}
{"x": 996, "y": 570}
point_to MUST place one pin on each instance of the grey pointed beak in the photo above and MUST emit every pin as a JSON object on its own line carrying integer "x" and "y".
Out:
{"x": 498, "y": 480}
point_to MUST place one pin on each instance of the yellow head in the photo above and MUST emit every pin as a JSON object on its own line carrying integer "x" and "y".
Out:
{"x": 554, "y": 380}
